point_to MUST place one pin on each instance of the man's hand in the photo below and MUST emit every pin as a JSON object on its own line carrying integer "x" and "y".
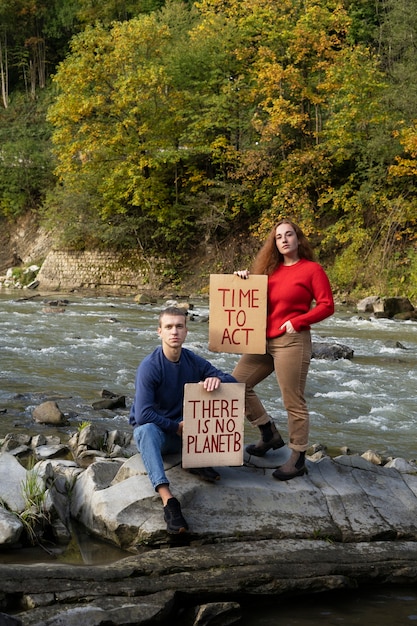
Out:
{"x": 210, "y": 384}
{"x": 180, "y": 429}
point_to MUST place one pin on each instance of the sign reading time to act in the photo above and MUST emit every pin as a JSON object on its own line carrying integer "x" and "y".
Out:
{"x": 238, "y": 314}
{"x": 213, "y": 425}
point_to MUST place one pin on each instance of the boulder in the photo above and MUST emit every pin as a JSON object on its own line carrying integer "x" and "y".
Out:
{"x": 345, "y": 499}
{"x": 390, "y": 307}
{"x": 48, "y": 413}
{"x": 366, "y": 305}
{"x": 330, "y": 351}
{"x": 119, "y": 402}
{"x": 398, "y": 307}
{"x": 50, "y": 452}
{"x": 37, "y": 492}
{"x": 11, "y": 493}
{"x": 10, "y": 528}
{"x": 15, "y": 440}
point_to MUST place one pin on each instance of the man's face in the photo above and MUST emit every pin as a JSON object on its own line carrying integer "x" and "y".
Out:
{"x": 173, "y": 330}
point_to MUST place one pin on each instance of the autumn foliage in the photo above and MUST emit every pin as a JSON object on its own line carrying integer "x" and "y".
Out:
{"x": 178, "y": 124}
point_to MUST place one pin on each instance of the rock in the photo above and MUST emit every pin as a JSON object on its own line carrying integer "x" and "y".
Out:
{"x": 105, "y": 393}
{"x": 57, "y": 303}
{"x": 123, "y": 441}
{"x": 48, "y": 413}
{"x": 367, "y": 304}
{"x": 119, "y": 402}
{"x": 121, "y": 506}
{"x": 50, "y": 452}
{"x": 145, "y": 298}
{"x": 11, "y": 489}
{"x": 373, "y": 457}
{"x": 14, "y": 440}
{"x": 52, "y": 309}
{"x": 403, "y": 466}
{"x": 135, "y": 467}
{"x": 331, "y": 351}
{"x": 38, "y": 490}
{"x": 218, "y": 614}
{"x": 38, "y": 440}
{"x": 143, "y": 587}
{"x": 8, "y": 620}
{"x": 398, "y": 307}
{"x": 91, "y": 441}
{"x": 389, "y": 307}
{"x": 102, "y": 610}
{"x": 10, "y": 528}
{"x": 408, "y": 316}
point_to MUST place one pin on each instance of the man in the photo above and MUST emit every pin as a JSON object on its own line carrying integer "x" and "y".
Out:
{"x": 156, "y": 413}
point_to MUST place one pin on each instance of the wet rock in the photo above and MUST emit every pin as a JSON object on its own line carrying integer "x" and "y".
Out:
{"x": 253, "y": 569}
{"x": 48, "y": 413}
{"x": 331, "y": 351}
{"x": 110, "y": 611}
{"x": 8, "y": 620}
{"x": 52, "y": 309}
{"x": 119, "y": 402}
{"x": 218, "y": 614}
{"x": 57, "y": 303}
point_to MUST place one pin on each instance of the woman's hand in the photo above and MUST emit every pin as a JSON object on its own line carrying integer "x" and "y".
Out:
{"x": 288, "y": 327}
{"x": 180, "y": 429}
{"x": 242, "y": 274}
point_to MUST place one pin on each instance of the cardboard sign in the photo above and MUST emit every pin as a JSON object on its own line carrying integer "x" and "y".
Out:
{"x": 213, "y": 425}
{"x": 238, "y": 314}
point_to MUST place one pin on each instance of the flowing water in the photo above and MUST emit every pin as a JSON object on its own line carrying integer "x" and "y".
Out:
{"x": 369, "y": 402}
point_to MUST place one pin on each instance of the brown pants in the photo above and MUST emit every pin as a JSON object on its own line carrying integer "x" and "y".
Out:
{"x": 289, "y": 355}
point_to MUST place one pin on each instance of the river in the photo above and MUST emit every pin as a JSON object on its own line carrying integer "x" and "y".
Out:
{"x": 96, "y": 343}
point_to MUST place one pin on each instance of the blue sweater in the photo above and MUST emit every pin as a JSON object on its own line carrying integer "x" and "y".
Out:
{"x": 159, "y": 387}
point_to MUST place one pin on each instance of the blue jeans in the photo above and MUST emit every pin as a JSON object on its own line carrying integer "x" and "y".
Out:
{"x": 153, "y": 443}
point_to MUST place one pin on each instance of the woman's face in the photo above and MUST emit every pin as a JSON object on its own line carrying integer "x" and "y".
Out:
{"x": 287, "y": 241}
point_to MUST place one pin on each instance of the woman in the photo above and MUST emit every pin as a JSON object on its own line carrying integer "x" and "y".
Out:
{"x": 294, "y": 282}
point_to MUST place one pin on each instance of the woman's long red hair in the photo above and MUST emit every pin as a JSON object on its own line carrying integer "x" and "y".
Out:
{"x": 268, "y": 257}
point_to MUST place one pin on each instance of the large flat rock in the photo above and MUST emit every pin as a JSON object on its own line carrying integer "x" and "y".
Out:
{"x": 345, "y": 499}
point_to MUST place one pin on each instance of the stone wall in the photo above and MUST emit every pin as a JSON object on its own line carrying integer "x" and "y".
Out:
{"x": 68, "y": 270}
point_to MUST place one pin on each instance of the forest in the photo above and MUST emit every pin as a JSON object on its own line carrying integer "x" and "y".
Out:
{"x": 167, "y": 127}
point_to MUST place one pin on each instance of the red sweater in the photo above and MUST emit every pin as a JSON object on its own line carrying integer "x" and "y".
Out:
{"x": 291, "y": 291}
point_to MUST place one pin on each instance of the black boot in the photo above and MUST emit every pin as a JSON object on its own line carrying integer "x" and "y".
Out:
{"x": 299, "y": 469}
{"x": 270, "y": 440}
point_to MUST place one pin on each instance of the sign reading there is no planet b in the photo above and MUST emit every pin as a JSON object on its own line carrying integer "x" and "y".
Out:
{"x": 238, "y": 314}
{"x": 213, "y": 425}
